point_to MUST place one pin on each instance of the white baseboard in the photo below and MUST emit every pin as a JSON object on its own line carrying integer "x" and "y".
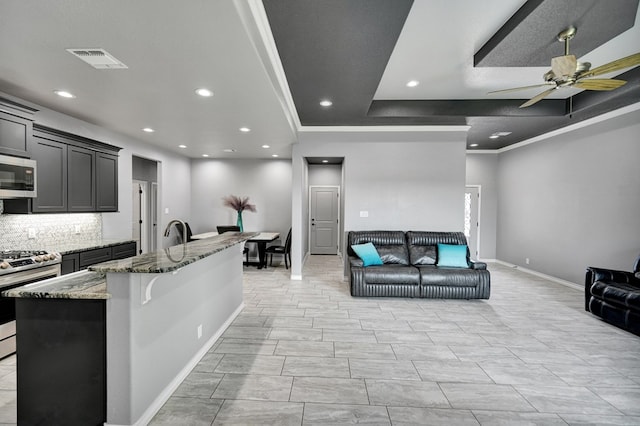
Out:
{"x": 164, "y": 396}
{"x": 541, "y": 275}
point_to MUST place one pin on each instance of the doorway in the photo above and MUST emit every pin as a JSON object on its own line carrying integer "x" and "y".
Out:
{"x": 324, "y": 219}
{"x": 144, "y": 192}
{"x": 472, "y": 219}
{"x": 139, "y": 222}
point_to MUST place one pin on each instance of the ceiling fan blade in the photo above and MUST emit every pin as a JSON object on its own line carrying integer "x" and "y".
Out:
{"x": 538, "y": 97}
{"x": 599, "y": 84}
{"x": 629, "y": 61}
{"x": 564, "y": 65}
{"x": 515, "y": 89}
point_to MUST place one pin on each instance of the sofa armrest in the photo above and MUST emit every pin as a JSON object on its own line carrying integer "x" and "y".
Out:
{"x": 601, "y": 274}
{"x": 477, "y": 265}
{"x": 355, "y": 261}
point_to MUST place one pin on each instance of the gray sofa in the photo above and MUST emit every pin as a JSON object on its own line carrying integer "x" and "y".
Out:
{"x": 410, "y": 267}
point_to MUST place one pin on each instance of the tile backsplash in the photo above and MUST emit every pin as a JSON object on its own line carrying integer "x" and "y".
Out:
{"x": 47, "y": 231}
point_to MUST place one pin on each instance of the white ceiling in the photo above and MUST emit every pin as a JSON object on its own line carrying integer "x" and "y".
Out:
{"x": 440, "y": 37}
{"x": 172, "y": 48}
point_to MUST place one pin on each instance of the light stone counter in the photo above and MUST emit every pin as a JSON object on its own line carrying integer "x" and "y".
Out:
{"x": 78, "y": 285}
{"x": 175, "y": 257}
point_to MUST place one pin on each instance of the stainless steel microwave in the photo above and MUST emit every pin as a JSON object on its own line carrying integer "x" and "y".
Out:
{"x": 17, "y": 177}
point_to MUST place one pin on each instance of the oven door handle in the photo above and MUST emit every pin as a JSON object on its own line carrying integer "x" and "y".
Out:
{"x": 14, "y": 279}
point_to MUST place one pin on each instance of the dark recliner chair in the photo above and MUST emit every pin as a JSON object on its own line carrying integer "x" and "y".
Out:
{"x": 614, "y": 296}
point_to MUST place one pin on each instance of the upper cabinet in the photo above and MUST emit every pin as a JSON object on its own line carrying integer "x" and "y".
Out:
{"x": 74, "y": 174}
{"x": 16, "y": 122}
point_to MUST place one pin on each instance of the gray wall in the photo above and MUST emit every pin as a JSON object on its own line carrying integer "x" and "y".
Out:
{"x": 482, "y": 169}
{"x": 330, "y": 174}
{"x": 267, "y": 183}
{"x": 572, "y": 200}
{"x": 402, "y": 185}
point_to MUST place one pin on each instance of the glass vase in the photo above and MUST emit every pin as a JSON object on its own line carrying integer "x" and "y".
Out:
{"x": 239, "y": 222}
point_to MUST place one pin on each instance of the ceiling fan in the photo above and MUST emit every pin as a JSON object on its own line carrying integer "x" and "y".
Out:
{"x": 566, "y": 71}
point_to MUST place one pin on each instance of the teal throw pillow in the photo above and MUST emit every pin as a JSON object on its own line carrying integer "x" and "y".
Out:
{"x": 452, "y": 255}
{"x": 368, "y": 253}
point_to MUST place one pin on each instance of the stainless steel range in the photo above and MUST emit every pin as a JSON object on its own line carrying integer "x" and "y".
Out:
{"x": 17, "y": 268}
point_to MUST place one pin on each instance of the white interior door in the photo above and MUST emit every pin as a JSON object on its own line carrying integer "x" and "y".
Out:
{"x": 325, "y": 205}
{"x": 472, "y": 219}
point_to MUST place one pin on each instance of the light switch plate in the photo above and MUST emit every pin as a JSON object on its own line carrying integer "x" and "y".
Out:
{"x": 364, "y": 213}
{"x": 31, "y": 233}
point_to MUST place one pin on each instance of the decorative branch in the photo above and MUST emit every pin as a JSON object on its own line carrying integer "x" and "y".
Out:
{"x": 239, "y": 204}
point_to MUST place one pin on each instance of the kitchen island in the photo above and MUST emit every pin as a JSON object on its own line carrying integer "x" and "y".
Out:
{"x": 120, "y": 338}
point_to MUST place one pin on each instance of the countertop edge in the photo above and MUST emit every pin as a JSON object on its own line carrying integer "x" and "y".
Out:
{"x": 82, "y": 285}
{"x": 174, "y": 257}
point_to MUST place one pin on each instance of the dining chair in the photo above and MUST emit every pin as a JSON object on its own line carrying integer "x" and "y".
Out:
{"x": 284, "y": 250}
{"x": 233, "y": 228}
{"x": 181, "y": 233}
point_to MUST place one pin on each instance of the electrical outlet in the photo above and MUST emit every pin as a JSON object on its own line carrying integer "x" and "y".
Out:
{"x": 526, "y": 261}
{"x": 166, "y": 210}
{"x": 364, "y": 213}
{"x": 31, "y": 233}
{"x": 200, "y": 331}
{"x": 77, "y": 229}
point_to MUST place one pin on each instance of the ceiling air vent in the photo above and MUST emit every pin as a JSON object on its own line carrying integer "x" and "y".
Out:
{"x": 97, "y": 58}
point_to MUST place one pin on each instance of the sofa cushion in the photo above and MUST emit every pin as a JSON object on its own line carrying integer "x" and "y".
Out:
{"x": 621, "y": 294}
{"x": 451, "y": 277}
{"x": 368, "y": 253}
{"x": 423, "y": 255}
{"x": 452, "y": 255}
{"x": 392, "y": 274}
{"x": 394, "y": 255}
{"x": 391, "y": 245}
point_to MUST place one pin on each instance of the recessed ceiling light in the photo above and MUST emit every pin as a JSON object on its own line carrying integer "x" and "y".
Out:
{"x": 245, "y": 129}
{"x": 473, "y": 145}
{"x": 412, "y": 83}
{"x": 148, "y": 130}
{"x": 204, "y": 92}
{"x": 64, "y": 94}
{"x": 274, "y": 155}
{"x": 266, "y": 146}
{"x": 182, "y": 146}
{"x": 325, "y": 161}
{"x": 494, "y": 137}
{"x": 326, "y": 103}
{"x": 205, "y": 155}
{"x": 229, "y": 150}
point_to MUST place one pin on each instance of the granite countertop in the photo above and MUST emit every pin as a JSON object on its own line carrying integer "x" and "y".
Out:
{"x": 176, "y": 257}
{"x": 87, "y": 245}
{"x": 78, "y": 285}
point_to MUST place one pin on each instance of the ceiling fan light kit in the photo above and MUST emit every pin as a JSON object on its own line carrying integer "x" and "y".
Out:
{"x": 566, "y": 71}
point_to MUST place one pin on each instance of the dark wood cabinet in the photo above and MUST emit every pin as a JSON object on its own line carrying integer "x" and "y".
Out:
{"x": 81, "y": 183}
{"x": 91, "y": 257}
{"x": 52, "y": 176}
{"x": 70, "y": 263}
{"x": 73, "y": 262}
{"x": 16, "y": 123}
{"x": 75, "y": 174}
{"x": 122, "y": 251}
{"x": 106, "y": 182}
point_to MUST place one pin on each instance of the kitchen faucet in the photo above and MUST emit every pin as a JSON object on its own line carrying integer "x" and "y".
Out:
{"x": 184, "y": 229}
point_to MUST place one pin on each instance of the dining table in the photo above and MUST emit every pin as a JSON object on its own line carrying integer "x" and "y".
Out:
{"x": 261, "y": 240}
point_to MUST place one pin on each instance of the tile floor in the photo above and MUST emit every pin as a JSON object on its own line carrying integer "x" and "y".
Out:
{"x": 307, "y": 353}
